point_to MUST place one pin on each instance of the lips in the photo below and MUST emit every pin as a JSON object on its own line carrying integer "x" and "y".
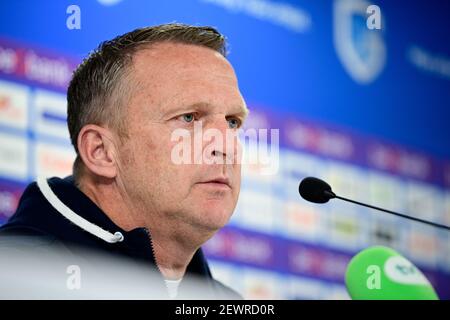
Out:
{"x": 219, "y": 182}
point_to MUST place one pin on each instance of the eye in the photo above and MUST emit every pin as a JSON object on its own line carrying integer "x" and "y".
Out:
{"x": 188, "y": 117}
{"x": 234, "y": 123}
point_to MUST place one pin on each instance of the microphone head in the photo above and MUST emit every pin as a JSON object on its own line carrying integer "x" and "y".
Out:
{"x": 315, "y": 190}
{"x": 380, "y": 273}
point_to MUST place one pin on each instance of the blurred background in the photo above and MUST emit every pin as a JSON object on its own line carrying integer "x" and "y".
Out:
{"x": 367, "y": 109}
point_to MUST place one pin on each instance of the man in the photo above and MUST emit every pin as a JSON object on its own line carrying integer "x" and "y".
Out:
{"x": 127, "y": 195}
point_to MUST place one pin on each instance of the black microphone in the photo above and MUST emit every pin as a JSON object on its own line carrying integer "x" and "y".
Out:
{"x": 318, "y": 191}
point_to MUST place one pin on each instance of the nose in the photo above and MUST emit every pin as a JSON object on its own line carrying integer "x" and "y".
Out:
{"x": 221, "y": 141}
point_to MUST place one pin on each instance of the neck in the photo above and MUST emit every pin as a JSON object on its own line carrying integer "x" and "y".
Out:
{"x": 174, "y": 242}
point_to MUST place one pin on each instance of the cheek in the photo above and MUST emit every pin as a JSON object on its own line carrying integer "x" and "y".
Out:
{"x": 140, "y": 162}
{"x": 174, "y": 178}
{"x": 237, "y": 174}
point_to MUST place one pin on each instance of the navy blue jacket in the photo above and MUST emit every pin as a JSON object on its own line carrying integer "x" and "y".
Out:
{"x": 37, "y": 228}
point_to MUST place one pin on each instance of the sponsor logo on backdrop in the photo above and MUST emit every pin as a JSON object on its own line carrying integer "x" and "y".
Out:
{"x": 399, "y": 161}
{"x": 260, "y": 285}
{"x": 52, "y": 71}
{"x": 423, "y": 245}
{"x": 423, "y": 201}
{"x": 8, "y": 60}
{"x": 233, "y": 244}
{"x": 298, "y": 165}
{"x": 432, "y": 62}
{"x": 35, "y": 65}
{"x": 386, "y": 234}
{"x": 13, "y": 157}
{"x": 349, "y": 181}
{"x": 386, "y": 190}
{"x": 256, "y": 210}
{"x": 319, "y": 140}
{"x": 318, "y": 263}
{"x": 362, "y": 51}
{"x": 14, "y": 101}
{"x": 261, "y": 253}
{"x": 278, "y": 13}
{"x": 53, "y": 160}
{"x": 51, "y": 114}
{"x": 300, "y": 288}
{"x": 302, "y": 221}
{"x": 345, "y": 229}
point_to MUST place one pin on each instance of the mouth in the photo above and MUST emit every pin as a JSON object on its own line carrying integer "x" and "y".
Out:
{"x": 220, "y": 182}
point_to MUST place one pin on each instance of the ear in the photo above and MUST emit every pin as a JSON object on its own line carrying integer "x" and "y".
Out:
{"x": 97, "y": 150}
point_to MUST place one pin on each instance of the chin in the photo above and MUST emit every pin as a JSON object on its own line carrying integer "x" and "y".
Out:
{"x": 215, "y": 217}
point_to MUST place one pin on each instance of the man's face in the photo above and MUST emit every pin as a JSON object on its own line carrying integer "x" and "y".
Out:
{"x": 178, "y": 86}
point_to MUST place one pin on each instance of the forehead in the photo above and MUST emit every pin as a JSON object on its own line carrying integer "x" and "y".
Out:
{"x": 180, "y": 61}
{"x": 169, "y": 70}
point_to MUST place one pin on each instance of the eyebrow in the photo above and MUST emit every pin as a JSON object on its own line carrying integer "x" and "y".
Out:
{"x": 240, "y": 110}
